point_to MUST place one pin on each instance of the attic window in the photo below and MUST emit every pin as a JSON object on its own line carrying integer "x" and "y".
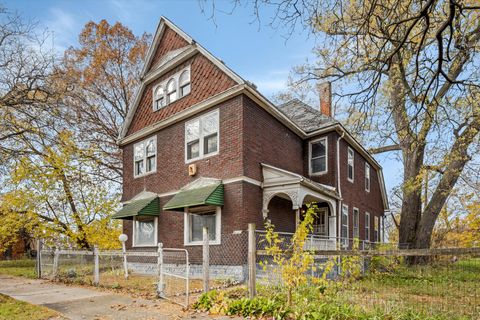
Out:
{"x": 171, "y": 91}
{"x": 159, "y": 98}
{"x": 184, "y": 83}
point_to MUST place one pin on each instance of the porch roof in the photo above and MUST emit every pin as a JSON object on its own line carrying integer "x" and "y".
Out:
{"x": 142, "y": 207}
{"x": 296, "y": 187}
{"x": 191, "y": 196}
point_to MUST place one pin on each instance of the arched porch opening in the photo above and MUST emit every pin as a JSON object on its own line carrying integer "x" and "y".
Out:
{"x": 282, "y": 216}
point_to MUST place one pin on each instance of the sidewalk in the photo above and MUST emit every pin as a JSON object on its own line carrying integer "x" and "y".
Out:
{"x": 83, "y": 303}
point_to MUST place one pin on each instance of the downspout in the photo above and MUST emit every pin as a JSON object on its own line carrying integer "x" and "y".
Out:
{"x": 339, "y": 187}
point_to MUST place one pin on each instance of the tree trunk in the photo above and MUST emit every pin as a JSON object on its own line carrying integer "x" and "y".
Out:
{"x": 412, "y": 197}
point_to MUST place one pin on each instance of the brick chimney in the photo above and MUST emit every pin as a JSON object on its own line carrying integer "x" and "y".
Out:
{"x": 325, "y": 91}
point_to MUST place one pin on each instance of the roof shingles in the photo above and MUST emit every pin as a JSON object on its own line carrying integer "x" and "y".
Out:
{"x": 306, "y": 117}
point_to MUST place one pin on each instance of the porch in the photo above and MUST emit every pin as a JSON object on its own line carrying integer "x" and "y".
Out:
{"x": 286, "y": 196}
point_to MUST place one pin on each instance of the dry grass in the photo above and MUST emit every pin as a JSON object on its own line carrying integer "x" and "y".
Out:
{"x": 14, "y": 309}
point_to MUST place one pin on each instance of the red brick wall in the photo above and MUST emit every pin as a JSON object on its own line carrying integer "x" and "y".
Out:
{"x": 354, "y": 194}
{"x": 171, "y": 230}
{"x": 281, "y": 214}
{"x": 172, "y": 171}
{"x": 268, "y": 141}
{"x": 206, "y": 79}
{"x": 330, "y": 177}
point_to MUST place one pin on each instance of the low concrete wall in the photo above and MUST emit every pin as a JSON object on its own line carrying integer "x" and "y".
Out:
{"x": 237, "y": 273}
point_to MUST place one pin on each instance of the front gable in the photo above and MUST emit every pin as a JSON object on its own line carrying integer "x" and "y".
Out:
{"x": 171, "y": 52}
{"x": 169, "y": 45}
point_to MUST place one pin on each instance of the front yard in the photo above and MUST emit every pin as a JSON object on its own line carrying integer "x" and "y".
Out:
{"x": 441, "y": 292}
{"x": 19, "y": 310}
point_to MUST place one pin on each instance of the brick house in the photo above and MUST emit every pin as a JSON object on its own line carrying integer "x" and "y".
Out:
{"x": 202, "y": 147}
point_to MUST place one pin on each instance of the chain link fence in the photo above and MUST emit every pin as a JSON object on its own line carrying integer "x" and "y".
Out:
{"x": 380, "y": 276}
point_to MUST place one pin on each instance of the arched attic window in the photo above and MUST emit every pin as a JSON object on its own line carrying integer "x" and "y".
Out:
{"x": 159, "y": 98}
{"x": 184, "y": 83}
{"x": 171, "y": 91}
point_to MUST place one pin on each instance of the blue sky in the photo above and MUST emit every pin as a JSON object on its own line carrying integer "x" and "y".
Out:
{"x": 255, "y": 51}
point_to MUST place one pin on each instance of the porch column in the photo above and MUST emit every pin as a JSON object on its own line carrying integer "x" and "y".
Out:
{"x": 297, "y": 218}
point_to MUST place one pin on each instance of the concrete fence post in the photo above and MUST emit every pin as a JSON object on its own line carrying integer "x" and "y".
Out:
{"x": 55, "y": 263}
{"x": 39, "y": 258}
{"x": 252, "y": 260}
{"x": 206, "y": 261}
{"x": 96, "y": 270}
{"x": 161, "y": 284}
{"x": 124, "y": 255}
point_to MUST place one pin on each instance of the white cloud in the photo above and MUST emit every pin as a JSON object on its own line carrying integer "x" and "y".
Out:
{"x": 64, "y": 26}
{"x": 270, "y": 82}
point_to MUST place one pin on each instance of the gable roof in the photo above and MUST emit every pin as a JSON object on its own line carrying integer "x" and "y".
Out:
{"x": 306, "y": 117}
{"x": 296, "y": 115}
{"x": 170, "y": 60}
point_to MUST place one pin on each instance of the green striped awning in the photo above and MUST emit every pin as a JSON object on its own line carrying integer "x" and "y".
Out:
{"x": 206, "y": 195}
{"x": 142, "y": 207}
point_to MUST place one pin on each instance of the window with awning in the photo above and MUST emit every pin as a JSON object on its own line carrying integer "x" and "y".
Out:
{"x": 142, "y": 207}
{"x": 209, "y": 195}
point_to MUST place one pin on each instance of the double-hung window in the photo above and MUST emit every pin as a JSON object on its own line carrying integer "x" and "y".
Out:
{"x": 350, "y": 164}
{"x": 344, "y": 234}
{"x": 367, "y": 177}
{"x": 201, "y": 136}
{"x": 145, "y": 157}
{"x": 145, "y": 230}
{"x": 196, "y": 220}
{"x": 376, "y": 229}
{"x": 318, "y": 156}
{"x": 356, "y": 221}
{"x": 367, "y": 226}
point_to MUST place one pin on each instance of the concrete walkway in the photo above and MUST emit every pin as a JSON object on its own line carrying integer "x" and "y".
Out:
{"x": 83, "y": 303}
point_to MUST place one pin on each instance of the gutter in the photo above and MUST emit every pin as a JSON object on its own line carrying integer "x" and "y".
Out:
{"x": 339, "y": 188}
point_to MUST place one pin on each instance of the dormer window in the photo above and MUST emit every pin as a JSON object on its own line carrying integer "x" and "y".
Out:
{"x": 318, "y": 156}
{"x": 184, "y": 83}
{"x": 159, "y": 98}
{"x": 145, "y": 157}
{"x": 171, "y": 91}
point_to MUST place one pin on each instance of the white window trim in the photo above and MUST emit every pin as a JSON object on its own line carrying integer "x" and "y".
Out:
{"x": 353, "y": 164}
{"x": 155, "y": 222}
{"x": 367, "y": 176}
{"x": 218, "y": 229}
{"x": 135, "y": 175}
{"x": 367, "y": 234}
{"x": 310, "y": 157}
{"x": 376, "y": 228}
{"x": 342, "y": 224}
{"x": 201, "y": 139}
{"x": 358, "y": 222}
{"x": 164, "y": 83}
